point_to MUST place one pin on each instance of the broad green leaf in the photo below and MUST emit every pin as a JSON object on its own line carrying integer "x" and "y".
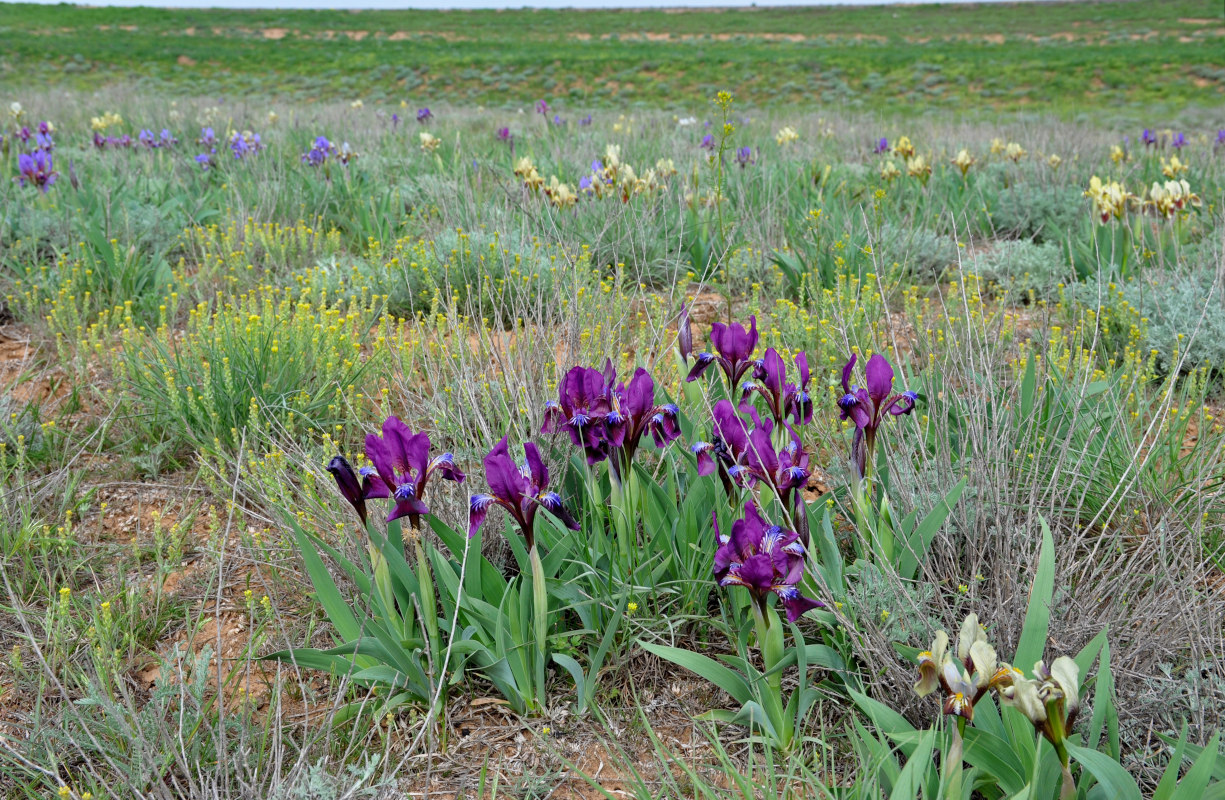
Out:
{"x": 918, "y": 763}
{"x": 1169, "y": 779}
{"x": 995, "y": 757}
{"x": 337, "y": 609}
{"x": 1038, "y": 613}
{"x": 1195, "y": 782}
{"x": 1115, "y": 781}
{"x": 726, "y": 679}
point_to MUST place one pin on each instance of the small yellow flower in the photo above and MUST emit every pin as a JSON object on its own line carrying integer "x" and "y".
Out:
{"x": 632, "y": 608}
{"x": 1117, "y": 154}
{"x": 889, "y": 171}
{"x": 546, "y": 730}
{"x": 786, "y": 136}
{"x": 1054, "y": 161}
{"x": 903, "y": 148}
{"x": 1014, "y": 151}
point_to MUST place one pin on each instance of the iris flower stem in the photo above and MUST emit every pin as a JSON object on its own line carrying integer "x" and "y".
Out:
{"x": 540, "y": 619}
{"x": 770, "y": 640}
{"x": 627, "y": 507}
{"x": 429, "y": 618}
{"x": 382, "y": 574}
{"x": 879, "y": 533}
{"x": 621, "y": 521}
{"x": 425, "y": 584}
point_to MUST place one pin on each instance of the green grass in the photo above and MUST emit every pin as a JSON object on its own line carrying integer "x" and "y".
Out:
{"x": 1127, "y": 58}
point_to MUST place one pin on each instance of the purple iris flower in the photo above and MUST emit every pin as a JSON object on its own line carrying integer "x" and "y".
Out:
{"x": 122, "y": 141}
{"x": 208, "y": 137}
{"x": 882, "y": 146}
{"x": 729, "y": 441}
{"x": 167, "y": 138}
{"x": 542, "y": 107}
{"x": 402, "y": 460}
{"x": 520, "y": 489}
{"x": 204, "y": 160}
{"x": 424, "y": 115}
{"x": 633, "y": 413}
{"x": 782, "y": 397}
{"x": 1220, "y": 138}
{"x": 869, "y": 407}
{"x": 784, "y": 470}
{"x": 395, "y": 121}
{"x": 320, "y": 151}
{"x": 100, "y": 141}
{"x": 147, "y": 138}
{"x": 1179, "y": 141}
{"x": 585, "y": 121}
{"x": 734, "y": 346}
{"x": 584, "y": 184}
{"x": 582, "y": 404}
{"x": 504, "y": 134}
{"x": 43, "y": 141}
{"x": 765, "y": 559}
{"x": 558, "y": 121}
{"x": 24, "y": 134}
{"x": 36, "y": 168}
{"x": 44, "y": 128}
{"x": 1148, "y": 137}
{"x": 747, "y": 458}
{"x": 708, "y": 142}
{"x": 745, "y": 157}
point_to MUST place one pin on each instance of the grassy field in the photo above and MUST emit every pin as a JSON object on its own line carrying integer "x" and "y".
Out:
{"x": 1133, "y": 60}
{"x": 674, "y": 532}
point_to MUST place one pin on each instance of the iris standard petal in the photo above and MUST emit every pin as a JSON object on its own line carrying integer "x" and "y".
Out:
{"x": 505, "y": 481}
{"x": 537, "y": 472}
{"x": 772, "y": 372}
{"x": 639, "y": 398}
{"x": 381, "y": 454}
{"x": 879, "y": 379}
{"x": 846, "y": 373}
{"x": 748, "y": 532}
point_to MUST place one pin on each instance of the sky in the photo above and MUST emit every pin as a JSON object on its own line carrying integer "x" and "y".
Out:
{"x": 467, "y": 4}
